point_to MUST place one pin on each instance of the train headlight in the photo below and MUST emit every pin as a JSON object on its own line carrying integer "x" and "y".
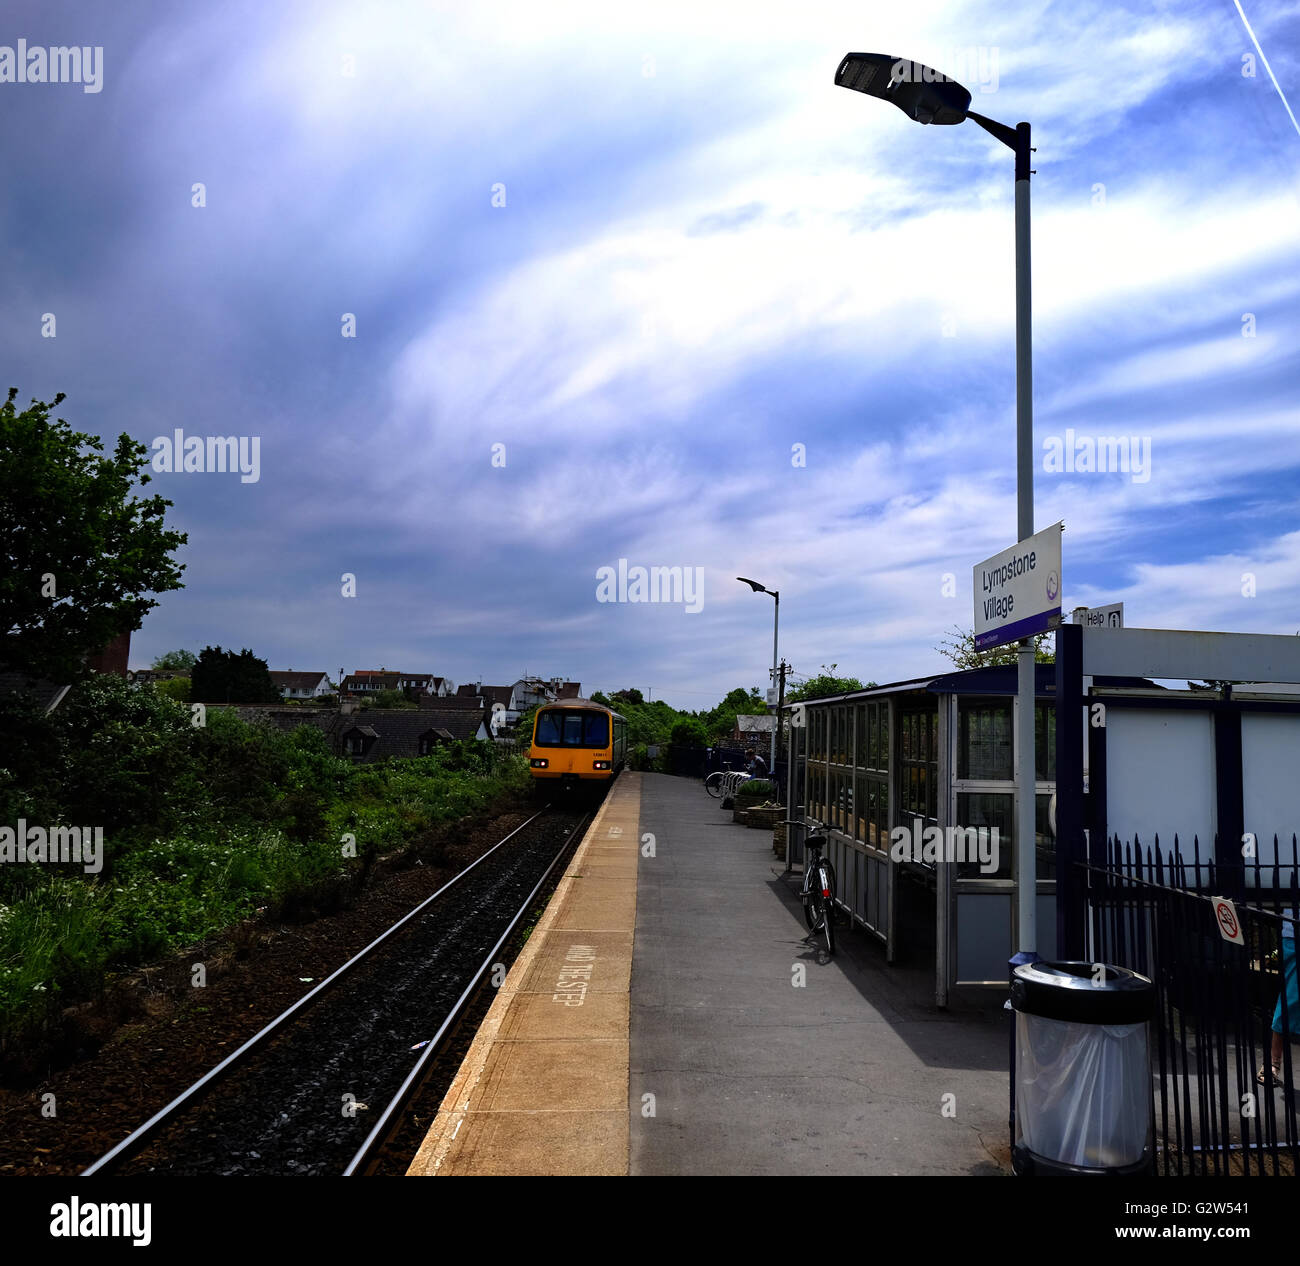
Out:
{"x": 538, "y": 762}
{"x": 600, "y": 764}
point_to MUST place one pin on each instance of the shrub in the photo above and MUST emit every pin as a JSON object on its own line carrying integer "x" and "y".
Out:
{"x": 203, "y": 826}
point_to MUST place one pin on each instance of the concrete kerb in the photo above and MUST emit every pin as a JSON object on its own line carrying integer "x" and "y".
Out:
{"x": 431, "y": 1159}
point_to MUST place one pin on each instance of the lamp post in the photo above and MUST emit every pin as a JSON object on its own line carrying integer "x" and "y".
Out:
{"x": 776, "y": 623}
{"x": 927, "y": 96}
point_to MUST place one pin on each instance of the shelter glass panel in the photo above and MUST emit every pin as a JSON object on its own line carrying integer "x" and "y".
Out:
{"x": 988, "y": 812}
{"x": 984, "y": 748}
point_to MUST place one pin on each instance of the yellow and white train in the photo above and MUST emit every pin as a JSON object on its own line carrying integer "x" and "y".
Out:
{"x": 576, "y": 744}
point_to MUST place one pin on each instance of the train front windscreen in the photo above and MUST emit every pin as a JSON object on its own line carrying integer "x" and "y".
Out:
{"x": 556, "y": 728}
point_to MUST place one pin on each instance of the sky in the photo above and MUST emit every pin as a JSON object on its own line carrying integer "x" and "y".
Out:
{"x": 506, "y": 293}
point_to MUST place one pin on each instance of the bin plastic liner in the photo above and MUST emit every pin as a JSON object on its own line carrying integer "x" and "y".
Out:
{"x": 1083, "y": 1091}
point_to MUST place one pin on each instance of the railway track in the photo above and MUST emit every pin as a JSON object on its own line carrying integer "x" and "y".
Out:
{"x": 325, "y": 1087}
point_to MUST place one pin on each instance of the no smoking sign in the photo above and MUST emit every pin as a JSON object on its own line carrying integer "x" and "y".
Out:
{"x": 1225, "y": 914}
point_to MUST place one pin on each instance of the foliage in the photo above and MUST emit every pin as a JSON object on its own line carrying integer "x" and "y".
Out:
{"x": 390, "y": 699}
{"x": 523, "y": 728}
{"x": 181, "y": 659}
{"x": 80, "y": 551}
{"x": 824, "y": 684}
{"x": 720, "y": 722}
{"x": 202, "y": 826}
{"x": 647, "y": 723}
{"x": 689, "y": 732}
{"x": 959, "y": 646}
{"x": 223, "y": 677}
{"x": 756, "y": 789}
{"x": 176, "y": 688}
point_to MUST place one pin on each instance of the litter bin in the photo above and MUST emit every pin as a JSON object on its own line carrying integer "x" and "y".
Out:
{"x": 1082, "y": 1075}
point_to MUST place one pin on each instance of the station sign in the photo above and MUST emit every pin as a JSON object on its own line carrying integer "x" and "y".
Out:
{"x": 1109, "y": 617}
{"x": 1018, "y": 592}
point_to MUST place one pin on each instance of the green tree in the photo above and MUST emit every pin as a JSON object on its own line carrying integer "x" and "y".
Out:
{"x": 721, "y": 721}
{"x": 689, "y": 732}
{"x": 393, "y": 699}
{"x": 959, "y": 646}
{"x": 522, "y": 729}
{"x": 223, "y": 677}
{"x": 825, "y": 683}
{"x": 177, "y": 688}
{"x": 78, "y": 552}
{"x": 181, "y": 660}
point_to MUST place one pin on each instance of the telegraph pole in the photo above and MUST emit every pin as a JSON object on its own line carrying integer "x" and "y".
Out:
{"x": 776, "y": 722}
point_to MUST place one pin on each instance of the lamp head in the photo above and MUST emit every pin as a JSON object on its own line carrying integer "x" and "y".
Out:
{"x": 753, "y": 584}
{"x": 921, "y": 93}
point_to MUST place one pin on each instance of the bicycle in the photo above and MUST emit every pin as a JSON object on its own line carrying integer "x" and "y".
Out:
{"x": 818, "y": 892}
{"x": 727, "y": 780}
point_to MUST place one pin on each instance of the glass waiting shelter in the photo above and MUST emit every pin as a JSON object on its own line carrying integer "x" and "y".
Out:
{"x": 915, "y": 782}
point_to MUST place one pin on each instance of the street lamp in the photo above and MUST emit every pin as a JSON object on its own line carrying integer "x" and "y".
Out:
{"x": 930, "y": 97}
{"x": 776, "y": 623}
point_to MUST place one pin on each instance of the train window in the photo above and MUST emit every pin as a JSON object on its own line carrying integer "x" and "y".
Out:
{"x": 557, "y": 728}
{"x": 596, "y": 730}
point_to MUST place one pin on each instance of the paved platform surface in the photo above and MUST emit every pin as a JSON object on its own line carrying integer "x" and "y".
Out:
{"x": 543, "y": 1088}
{"x": 719, "y": 1041}
{"x": 849, "y": 1072}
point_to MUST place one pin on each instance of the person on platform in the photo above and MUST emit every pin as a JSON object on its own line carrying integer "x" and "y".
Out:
{"x": 1287, "y": 1024}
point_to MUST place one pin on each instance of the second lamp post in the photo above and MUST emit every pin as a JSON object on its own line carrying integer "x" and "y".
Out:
{"x": 776, "y": 625}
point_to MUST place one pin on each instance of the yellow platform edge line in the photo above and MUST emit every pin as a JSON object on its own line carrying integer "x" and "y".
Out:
{"x": 430, "y": 1160}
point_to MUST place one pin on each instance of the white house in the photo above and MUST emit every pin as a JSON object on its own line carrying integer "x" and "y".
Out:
{"x": 292, "y": 685}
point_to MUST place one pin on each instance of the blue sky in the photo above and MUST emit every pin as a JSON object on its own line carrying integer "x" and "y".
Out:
{"x": 707, "y": 255}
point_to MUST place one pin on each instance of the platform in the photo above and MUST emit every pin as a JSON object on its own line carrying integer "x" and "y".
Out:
{"x": 718, "y": 1040}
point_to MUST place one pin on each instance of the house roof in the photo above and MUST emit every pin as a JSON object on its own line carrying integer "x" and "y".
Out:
{"x": 45, "y": 694}
{"x": 381, "y": 680}
{"x": 297, "y": 681}
{"x": 466, "y": 703}
{"x": 396, "y": 731}
{"x": 141, "y": 675}
{"x": 489, "y": 694}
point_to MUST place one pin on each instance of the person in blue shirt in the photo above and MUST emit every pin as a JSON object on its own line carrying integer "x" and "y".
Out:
{"x": 1291, "y": 995}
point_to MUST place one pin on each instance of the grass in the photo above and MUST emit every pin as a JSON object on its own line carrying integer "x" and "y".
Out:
{"x": 63, "y": 933}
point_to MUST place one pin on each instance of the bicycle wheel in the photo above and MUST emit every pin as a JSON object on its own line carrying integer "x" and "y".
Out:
{"x": 713, "y": 784}
{"x": 828, "y": 906}
{"x": 811, "y": 908}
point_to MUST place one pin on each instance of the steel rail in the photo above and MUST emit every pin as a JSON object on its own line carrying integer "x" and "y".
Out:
{"x": 141, "y": 1135}
{"x": 406, "y": 1090}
